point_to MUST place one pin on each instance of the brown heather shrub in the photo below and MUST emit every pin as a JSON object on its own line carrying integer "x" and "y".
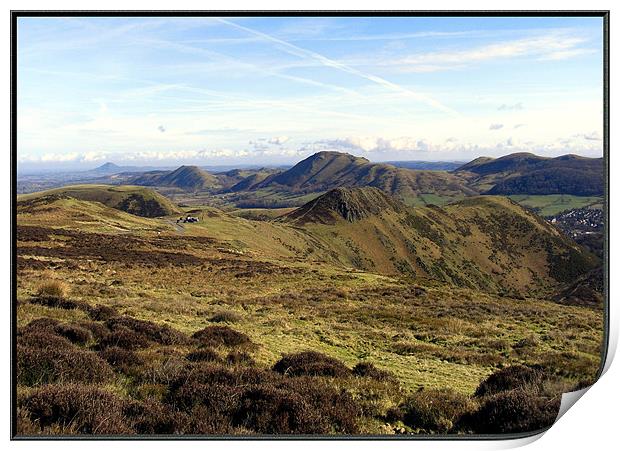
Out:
{"x": 30, "y": 338}
{"x": 102, "y": 312}
{"x": 310, "y": 363}
{"x": 150, "y": 417}
{"x": 52, "y": 289}
{"x": 25, "y": 426}
{"x": 40, "y": 324}
{"x": 435, "y": 410}
{"x": 37, "y": 366}
{"x": 367, "y": 369}
{"x": 61, "y": 303}
{"x": 221, "y": 336}
{"x": 79, "y": 409}
{"x": 225, "y": 317}
{"x": 203, "y": 355}
{"x": 124, "y": 338}
{"x": 97, "y": 330}
{"x": 161, "y": 334}
{"x": 511, "y": 411}
{"x": 74, "y": 333}
{"x": 240, "y": 358}
{"x": 509, "y": 378}
{"x": 271, "y": 410}
{"x": 123, "y": 360}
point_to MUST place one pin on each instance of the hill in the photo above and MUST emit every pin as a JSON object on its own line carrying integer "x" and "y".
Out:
{"x": 486, "y": 242}
{"x": 188, "y": 178}
{"x": 349, "y": 204}
{"x": 526, "y": 173}
{"x": 130, "y": 199}
{"x": 327, "y": 170}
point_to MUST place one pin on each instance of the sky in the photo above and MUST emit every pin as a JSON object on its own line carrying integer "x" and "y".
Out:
{"x": 267, "y": 90}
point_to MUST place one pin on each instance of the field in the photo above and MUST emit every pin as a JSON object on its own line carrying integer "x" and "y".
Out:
{"x": 552, "y": 204}
{"x": 249, "y": 276}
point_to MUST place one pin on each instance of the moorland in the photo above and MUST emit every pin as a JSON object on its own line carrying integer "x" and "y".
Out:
{"x": 337, "y": 296}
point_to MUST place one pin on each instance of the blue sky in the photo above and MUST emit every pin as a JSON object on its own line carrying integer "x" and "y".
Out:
{"x": 162, "y": 91}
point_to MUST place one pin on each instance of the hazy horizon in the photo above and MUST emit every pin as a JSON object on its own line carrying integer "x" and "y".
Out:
{"x": 271, "y": 91}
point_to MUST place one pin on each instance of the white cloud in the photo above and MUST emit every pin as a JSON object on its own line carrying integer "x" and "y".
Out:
{"x": 496, "y": 126}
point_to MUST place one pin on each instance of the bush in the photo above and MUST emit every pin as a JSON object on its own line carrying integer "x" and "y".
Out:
{"x": 150, "y": 417}
{"x": 74, "y": 333}
{"x": 366, "y": 369}
{"x": 97, "y": 330}
{"x": 511, "y": 411}
{"x": 221, "y": 336}
{"x": 52, "y": 289}
{"x": 225, "y": 317}
{"x": 509, "y": 378}
{"x": 59, "y": 302}
{"x": 44, "y": 339}
{"x": 239, "y": 357}
{"x": 311, "y": 363}
{"x": 41, "y": 324}
{"x": 435, "y": 410}
{"x": 102, "y": 312}
{"x": 126, "y": 339}
{"x": 76, "y": 409}
{"x": 37, "y": 366}
{"x": 203, "y": 355}
{"x": 121, "y": 359}
{"x": 270, "y": 410}
{"x": 161, "y": 334}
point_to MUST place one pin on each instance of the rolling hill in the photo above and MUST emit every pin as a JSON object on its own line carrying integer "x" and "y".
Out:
{"x": 327, "y": 170}
{"x": 188, "y": 178}
{"x": 135, "y": 200}
{"x": 526, "y": 173}
{"x": 484, "y": 242}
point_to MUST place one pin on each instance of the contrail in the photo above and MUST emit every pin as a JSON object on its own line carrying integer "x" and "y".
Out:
{"x": 303, "y": 53}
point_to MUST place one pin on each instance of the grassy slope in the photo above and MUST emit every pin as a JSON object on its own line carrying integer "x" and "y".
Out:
{"x": 111, "y": 196}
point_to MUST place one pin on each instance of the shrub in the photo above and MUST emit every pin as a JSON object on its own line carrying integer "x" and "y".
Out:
{"x": 203, "y": 355}
{"x": 74, "y": 333}
{"x": 124, "y": 338}
{"x": 271, "y": 410}
{"x": 435, "y": 410}
{"x": 239, "y": 357}
{"x": 29, "y": 338}
{"x": 97, "y": 330}
{"x": 76, "y": 409}
{"x": 121, "y": 359}
{"x": 161, "y": 334}
{"x": 311, "y": 363}
{"x": 508, "y": 378}
{"x": 511, "y": 411}
{"x": 150, "y": 417}
{"x": 366, "y": 369}
{"x": 46, "y": 365}
{"x": 40, "y": 324}
{"x": 225, "y": 317}
{"x": 52, "y": 289}
{"x": 59, "y": 302}
{"x": 102, "y": 312}
{"x": 221, "y": 336}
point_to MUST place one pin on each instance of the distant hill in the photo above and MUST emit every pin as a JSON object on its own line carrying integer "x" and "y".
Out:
{"x": 526, "y": 173}
{"x": 130, "y": 199}
{"x": 485, "y": 242}
{"x": 327, "y": 170}
{"x": 243, "y": 179}
{"x": 189, "y": 178}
